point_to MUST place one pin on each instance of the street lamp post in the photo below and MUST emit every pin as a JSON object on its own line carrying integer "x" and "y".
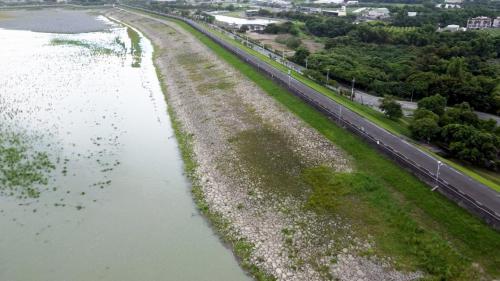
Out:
{"x": 306, "y": 63}
{"x": 439, "y": 164}
{"x": 289, "y": 77}
{"x": 352, "y": 88}
{"x": 327, "y": 75}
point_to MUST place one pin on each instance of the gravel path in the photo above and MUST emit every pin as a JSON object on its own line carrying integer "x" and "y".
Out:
{"x": 251, "y": 152}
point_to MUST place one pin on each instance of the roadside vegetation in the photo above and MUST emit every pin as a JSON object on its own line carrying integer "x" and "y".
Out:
{"x": 419, "y": 228}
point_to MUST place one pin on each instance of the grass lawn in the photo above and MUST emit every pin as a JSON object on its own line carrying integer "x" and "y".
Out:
{"x": 420, "y": 229}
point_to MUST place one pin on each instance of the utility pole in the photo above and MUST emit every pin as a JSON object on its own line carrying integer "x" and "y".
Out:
{"x": 306, "y": 63}
{"x": 352, "y": 89}
{"x": 411, "y": 98}
{"x": 327, "y": 75}
{"x": 289, "y": 77}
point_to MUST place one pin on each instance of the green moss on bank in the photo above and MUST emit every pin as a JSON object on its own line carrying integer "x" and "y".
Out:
{"x": 135, "y": 49}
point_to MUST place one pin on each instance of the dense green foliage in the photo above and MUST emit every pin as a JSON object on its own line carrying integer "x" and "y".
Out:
{"x": 458, "y": 130}
{"x": 407, "y": 57}
{"x": 391, "y": 107}
{"x": 286, "y": 27}
{"x": 291, "y": 42}
{"x": 417, "y": 63}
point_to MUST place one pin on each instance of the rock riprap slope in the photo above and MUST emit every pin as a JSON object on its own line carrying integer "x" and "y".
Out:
{"x": 252, "y": 159}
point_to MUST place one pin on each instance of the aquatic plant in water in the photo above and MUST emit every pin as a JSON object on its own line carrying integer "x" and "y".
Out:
{"x": 136, "y": 49}
{"x": 94, "y": 48}
{"x": 22, "y": 169}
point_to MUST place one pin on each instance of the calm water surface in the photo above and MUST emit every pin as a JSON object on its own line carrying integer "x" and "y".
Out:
{"x": 116, "y": 206}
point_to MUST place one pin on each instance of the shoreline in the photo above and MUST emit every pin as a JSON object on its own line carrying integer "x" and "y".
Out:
{"x": 294, "y": 252}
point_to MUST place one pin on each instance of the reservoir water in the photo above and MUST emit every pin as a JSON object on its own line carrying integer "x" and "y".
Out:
{"x": 92, "y": 184}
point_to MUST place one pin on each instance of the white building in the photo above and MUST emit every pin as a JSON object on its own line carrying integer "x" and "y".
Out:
{"x": 329, "y": 2}
{"x": 352, "y": 3}
{"x": 448, "y": 6}
{"x": 496, "y": 23}
{"x": 237, "y": 23}
{"x": 479, "y": 23}
{"x": 452, "y": 28}
{"x": 412, "y": 14}
{"x": 378, "y": 14}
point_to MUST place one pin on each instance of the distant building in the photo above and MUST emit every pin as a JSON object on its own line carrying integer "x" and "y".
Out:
{"x": 329, "y": 2}
{"x": 479, "y": 23}
{"x": 310, "y": 10}
{"x": 449, "y": 6}
{"x": 412, "y": 14}
{"x": 377, "y": 14}
{"x": 352, "y": 3}
{"x": 237, "y": 23}
{"x": 360, "y": 10}
{"x": 335, "y": 13}
{"x": 452, "y": 28}
{"x": 453, "y": 2}
{"x": 496, "y": 23}
{"x": 252, "y": 13}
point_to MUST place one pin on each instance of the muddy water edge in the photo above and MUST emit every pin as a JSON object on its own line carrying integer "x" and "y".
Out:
{"x": 91, "y": 179}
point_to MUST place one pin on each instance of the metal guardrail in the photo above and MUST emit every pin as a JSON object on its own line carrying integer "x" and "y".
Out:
{"x": 293, "y": 85}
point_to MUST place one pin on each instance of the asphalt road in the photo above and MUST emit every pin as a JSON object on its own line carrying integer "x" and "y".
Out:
{"x": 466, "y": 191}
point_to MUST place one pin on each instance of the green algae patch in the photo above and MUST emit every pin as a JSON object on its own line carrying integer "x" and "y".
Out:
{"x": 135, "y": 49}
{"x": 270, "y": 160}
{"x": 22, "y": 169}
{"x": 94, "y": 48}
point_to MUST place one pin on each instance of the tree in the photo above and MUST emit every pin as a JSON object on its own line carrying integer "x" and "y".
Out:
{"x": 424, "y": 129}
{"x": 470, "y": 144}
{"x": 391, "y": 108}
{"x": 460, "y": 114}
{"x": 436, "y": 104}
{"x": 424, "y": 113}
{"x": 243, "y": 29}
{"x": 300, "y": 55}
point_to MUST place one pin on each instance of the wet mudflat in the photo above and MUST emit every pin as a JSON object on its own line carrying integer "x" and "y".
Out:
{"x": 91, "y": 181}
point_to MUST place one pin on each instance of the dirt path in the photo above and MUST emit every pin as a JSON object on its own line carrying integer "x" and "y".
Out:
{"x": 251, "y": 155}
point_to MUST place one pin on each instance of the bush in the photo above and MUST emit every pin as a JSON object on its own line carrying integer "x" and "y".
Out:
{"x": 424, "y": 128}
{"x": 436, "y": 104}
{"x": 391, "y": 108}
